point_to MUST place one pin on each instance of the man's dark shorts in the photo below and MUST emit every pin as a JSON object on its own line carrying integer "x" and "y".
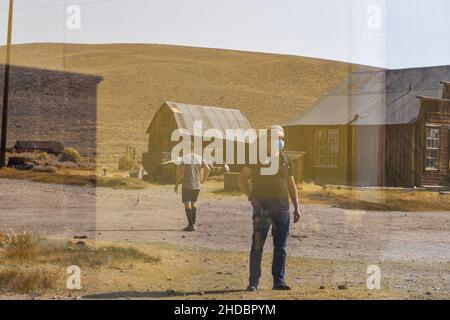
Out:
{"x": 189, "y": 195}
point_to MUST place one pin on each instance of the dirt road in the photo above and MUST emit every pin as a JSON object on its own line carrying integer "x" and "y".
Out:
{"x": 413, "y": 249}
{"x": 156, "y": 215}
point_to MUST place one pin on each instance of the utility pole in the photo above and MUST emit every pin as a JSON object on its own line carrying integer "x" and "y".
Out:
{"x": 6, "y": 89}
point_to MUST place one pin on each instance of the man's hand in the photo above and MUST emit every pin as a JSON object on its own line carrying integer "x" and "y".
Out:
{"x": 297, "y": 215}
{"x": 206, "y": 173}
{"x": 255, "y": 204}
{"x": 176, "y": 188}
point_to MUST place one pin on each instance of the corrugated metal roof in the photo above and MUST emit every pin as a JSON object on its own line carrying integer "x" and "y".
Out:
{"x": 212, "y": 117}
{"x": 372, "y": 96}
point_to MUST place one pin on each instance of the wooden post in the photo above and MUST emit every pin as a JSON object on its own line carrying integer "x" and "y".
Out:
{"x": 350, "y": 130}
{"x": 4, "y": 132}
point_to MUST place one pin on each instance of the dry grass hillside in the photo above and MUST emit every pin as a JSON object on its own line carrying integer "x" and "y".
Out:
{"x": 137, "y": 79}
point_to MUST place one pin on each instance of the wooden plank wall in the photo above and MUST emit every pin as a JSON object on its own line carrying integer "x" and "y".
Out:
{"x": 400, "y": 151}
{"x": 446, "y": 91}
{"x": 437, "y": 113}
{"x": 160, "y": 133}
{"x": 303, "y": 138}
{"x": 378, "y": 155}
{"x": 368, "y": 164}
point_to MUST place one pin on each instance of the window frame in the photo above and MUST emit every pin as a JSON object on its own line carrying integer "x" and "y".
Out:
{"x": 428, "y": 148}
{"x": 328, "y": 150}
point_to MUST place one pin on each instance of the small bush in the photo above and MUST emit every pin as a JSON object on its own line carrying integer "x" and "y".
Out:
{"x": 17, "y": 245}
{"x": 43, "y": 156}
{"x": 69, "y": 155}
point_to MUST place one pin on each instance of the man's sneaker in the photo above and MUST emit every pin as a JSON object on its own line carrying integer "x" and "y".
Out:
{"x": 252, "y": 289}
{"x": 190, "y": 228}
{"x": 281, "y": 287}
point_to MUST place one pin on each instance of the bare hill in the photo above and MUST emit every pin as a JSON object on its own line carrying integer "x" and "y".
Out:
{"x": 137, "y": 79}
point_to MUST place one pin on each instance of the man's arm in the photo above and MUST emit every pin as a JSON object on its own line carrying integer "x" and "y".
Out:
{"x": 293, "y": 193}
{"x": 179, "y": 176}
{"x": 206, "y": 172}
{"x": 244, "y": 177}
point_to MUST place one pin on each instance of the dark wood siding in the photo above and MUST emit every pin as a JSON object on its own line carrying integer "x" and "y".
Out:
{"x": 400, "y": 155}
{"x": 368, "y": 155}
{"x": 303, "y": 138}
{"x": 435, "y": 113}
{"x": 160, "y": 132}
{"x": 446, "y": 92}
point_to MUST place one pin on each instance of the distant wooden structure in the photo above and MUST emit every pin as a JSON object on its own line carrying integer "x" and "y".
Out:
{"x": 172, "y": 116}
{"x": 379, "y": 128}
{"x": 21, "y": 163}
{"x": 51, "y": 147}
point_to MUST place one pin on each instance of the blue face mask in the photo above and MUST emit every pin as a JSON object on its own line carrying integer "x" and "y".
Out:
{"x": 280, "y": 145}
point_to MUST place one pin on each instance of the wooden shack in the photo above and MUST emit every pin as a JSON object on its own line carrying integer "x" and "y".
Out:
{"x": 172, "y": 116}
{"x": 50, "y": 147}
{"x": 379, "y": 128}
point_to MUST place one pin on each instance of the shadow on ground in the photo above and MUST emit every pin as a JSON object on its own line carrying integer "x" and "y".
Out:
{"x": 154, "y": 294}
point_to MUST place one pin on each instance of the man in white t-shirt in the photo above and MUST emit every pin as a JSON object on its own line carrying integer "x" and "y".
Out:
{"x": 189, "y": 174}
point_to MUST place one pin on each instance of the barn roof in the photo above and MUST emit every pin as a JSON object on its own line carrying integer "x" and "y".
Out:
{"x": 28, "y": 144}
{"x": 372, "y": 96}
{"x": 211, "y": 117}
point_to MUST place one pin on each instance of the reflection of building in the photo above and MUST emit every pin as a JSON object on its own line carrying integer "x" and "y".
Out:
{"x": 52, "y": 105}
{"x": 380, "y": 128}
{"x": 172, "y": 116}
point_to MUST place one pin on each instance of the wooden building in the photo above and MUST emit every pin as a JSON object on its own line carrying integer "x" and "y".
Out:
{"x": 172, "y": 116}
{"x": 379, "y": 128}
{"x": 51, "y": 147}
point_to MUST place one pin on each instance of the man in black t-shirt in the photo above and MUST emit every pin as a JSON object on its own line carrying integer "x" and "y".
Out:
{"x": 269, "y": 197}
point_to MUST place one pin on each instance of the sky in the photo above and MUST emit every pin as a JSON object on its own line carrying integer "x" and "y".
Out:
{"x": 385, "y": 33}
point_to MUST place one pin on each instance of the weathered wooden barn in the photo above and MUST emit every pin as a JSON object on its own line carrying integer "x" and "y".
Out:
{"x": 379, "y": 128}
{"x": 172, "y": 116}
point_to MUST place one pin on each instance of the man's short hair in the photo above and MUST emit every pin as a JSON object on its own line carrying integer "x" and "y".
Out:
{"x": 276, "y": 128}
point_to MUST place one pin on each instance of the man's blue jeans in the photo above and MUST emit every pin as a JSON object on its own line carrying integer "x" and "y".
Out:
{"x": 276, "y": 213}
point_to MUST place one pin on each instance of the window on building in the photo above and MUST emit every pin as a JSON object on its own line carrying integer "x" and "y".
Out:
{"x": 432, "y": 149}
{"x": 327, "y": 144}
